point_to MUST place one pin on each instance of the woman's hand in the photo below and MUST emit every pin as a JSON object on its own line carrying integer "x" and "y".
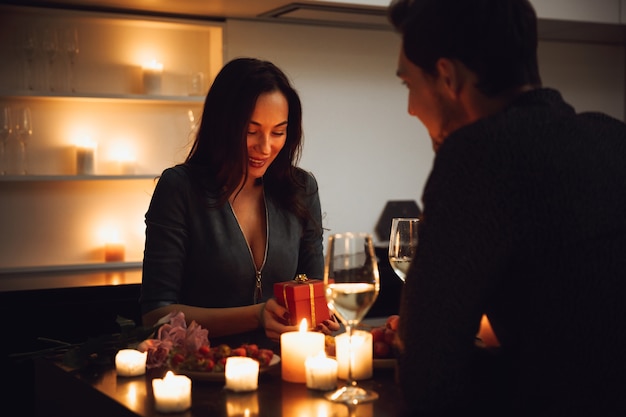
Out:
{"x": 328, "y": 326}
{"x": 274, "y": 318}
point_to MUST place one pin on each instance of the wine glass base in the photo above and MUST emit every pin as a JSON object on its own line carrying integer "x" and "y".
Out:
{"x": 351, "y": 395}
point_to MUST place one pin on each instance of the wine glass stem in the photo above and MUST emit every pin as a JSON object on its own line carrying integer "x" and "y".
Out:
{"x": 350, "y": 382}
{"x": 24, "y": 151}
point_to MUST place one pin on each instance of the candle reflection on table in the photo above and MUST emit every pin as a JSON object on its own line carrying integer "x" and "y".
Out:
{"x": 242, "y": 404}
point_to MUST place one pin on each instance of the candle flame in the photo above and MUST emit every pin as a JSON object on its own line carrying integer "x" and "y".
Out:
{"x": 304, "y": 325}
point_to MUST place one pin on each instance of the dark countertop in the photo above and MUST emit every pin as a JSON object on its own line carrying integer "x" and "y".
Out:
{"x": 60, "y": 391}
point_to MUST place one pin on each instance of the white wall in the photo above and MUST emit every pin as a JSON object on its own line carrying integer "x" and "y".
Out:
{"x": 359, "y": 140}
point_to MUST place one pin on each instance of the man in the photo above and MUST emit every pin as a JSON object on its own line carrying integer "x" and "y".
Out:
{"x": 524, "y": 219}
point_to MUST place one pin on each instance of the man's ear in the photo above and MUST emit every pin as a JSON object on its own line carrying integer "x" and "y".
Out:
{"x": 452, "y": 76}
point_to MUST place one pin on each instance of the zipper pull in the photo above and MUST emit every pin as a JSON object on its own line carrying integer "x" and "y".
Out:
{"x": 258, "y": 290}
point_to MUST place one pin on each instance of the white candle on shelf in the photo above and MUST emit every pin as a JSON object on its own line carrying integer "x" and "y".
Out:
{"x": 114, "y": 252}
{"x": 242, "y": 373}
{"x": 130, "y": 362}
{"x": 152, "y": 74}
{"x": 321, "y": 372}
{"x": 361, "y": 353}
{"x": 172, "y": 394}
{"x": 86, "y": 158}
{"x": 295, "y": 347}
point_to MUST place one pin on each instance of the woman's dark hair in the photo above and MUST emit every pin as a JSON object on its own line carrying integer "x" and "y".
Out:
{"x": 497, "y": 39}
{"x": 220, "y": 147}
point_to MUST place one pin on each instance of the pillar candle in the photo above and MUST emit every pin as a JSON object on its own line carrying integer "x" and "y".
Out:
{"x": 295, "y": 347}
{"x": 152, "y": 73}
{"x": 114, "y": 252}
{"x": 86, "y": 159}
{"x": 242, "y": 373}
{"x": 360, "y": 351}
{"x": 130, "y": 362}
{"x": 321, "y": 372}
{"x": 172, "y": 394}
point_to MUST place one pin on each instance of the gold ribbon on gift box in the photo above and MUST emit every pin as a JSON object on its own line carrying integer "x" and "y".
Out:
{"x": 303, "y": 279}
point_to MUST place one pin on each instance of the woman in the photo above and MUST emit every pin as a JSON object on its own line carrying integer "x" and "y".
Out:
{"x": 238, "y": 215}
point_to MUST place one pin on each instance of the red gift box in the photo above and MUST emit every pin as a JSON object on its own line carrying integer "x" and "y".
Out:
{"x": 304, "y": 299}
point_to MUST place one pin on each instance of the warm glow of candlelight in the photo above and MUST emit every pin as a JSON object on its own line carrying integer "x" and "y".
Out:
{"x": 295, "y": 347}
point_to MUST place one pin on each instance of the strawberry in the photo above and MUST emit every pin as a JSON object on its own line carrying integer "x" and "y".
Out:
{"x": 240, "y": 351}
{"x": 204, "y": 351}
{"x": 252, "y": 350}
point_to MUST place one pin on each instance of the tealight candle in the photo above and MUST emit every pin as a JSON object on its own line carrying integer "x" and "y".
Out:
{"x": 295, "y": 347}
{"x": 359, "y": 351}
{"x": 86, "y": 158}
{"x": 321, "y": 372}
{"x": 114, "y": 252}
{"x": 152, "y": 72}
{"x": 130, "y": 362}
{"x": 242, "y": 373}
{"x": 172, "y": 394}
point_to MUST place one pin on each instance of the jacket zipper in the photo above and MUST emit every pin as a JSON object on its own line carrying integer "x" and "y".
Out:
{"x": 258, "y": 286}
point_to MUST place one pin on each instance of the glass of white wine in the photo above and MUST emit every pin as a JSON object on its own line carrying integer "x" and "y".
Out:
{"x": 402, "y": 244}
{"x": 351, "y": 283}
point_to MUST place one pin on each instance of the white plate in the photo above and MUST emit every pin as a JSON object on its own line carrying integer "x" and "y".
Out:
{"x": 220, "y": 376}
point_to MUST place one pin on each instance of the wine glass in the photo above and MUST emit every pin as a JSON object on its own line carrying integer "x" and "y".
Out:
{"x": 28, "y": 43}
{"x": 6, "y": 128}
{"x": 70, "y": 45}
{"x": 351, "y": 285}
{"x": 24, "y": 129}
{"x": 402, "y": 244}
{"x": 50, "y": 46}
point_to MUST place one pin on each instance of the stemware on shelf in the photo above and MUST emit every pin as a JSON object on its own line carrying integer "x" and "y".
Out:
{"x": 24, "y": 130}
{"x": 50, "y": 47}
{"x": 402, "y": 244}
{"x": 28, "y": 46}
{"x": 351, "y": 285}
{"x": 70, "y": 45}
{"x": 6, "y": 128}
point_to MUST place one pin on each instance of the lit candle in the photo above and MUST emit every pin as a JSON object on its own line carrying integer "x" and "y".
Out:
{"x": 86, "y": 158}
{"x": 321, "y": 372}
{"x": 172, "y": 394}
{"x": 130, "y": 362}
{"x": 152, "y": 72}
{"x": 486, "y": 333}
{"x": 359, "y": 352}
{"x": 242, "y": 373}
{"x": 114, "y": 252}
{"x": 295, "y": 347}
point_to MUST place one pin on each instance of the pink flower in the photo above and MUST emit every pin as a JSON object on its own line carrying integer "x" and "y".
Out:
{"x": 173, "y": 337}
{"x": 158, "y": 352}
{"x": 196, "y": 336}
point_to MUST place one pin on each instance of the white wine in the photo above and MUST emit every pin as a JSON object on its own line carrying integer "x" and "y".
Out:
{"x": 350, "y": 301}
{"x": 400, "y": 265}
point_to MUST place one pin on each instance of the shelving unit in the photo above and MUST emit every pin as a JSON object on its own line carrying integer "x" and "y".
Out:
{"x": 52, "y": 219}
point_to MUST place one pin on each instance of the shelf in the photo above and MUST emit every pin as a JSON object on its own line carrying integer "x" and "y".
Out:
{"x": 41, "y": 178}
{"x": 138, "y": 98}
{"x": 70, "y": 276}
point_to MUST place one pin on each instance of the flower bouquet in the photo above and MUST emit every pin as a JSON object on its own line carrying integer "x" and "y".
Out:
{"x": 186, "y": 348}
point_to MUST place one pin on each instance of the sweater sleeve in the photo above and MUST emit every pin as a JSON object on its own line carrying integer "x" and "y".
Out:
{"x": 310, "y": 256}
{"x": 166, "y": 242}
{"x": 463, "y": 238}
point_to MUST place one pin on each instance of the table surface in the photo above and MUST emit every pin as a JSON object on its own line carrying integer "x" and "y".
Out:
{"x": 64, "y": 392}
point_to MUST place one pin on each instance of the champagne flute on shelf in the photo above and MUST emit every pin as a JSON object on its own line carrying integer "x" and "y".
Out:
{"x": 50, "y": 46}
{"x": 402, "y": 244}
{"x": 28, "y": 44}
{"x": 351, "y": 285}
{"x": 6, "y": 128}
{"x": 70, "y": 45}
{"x": 24, "y": 130}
